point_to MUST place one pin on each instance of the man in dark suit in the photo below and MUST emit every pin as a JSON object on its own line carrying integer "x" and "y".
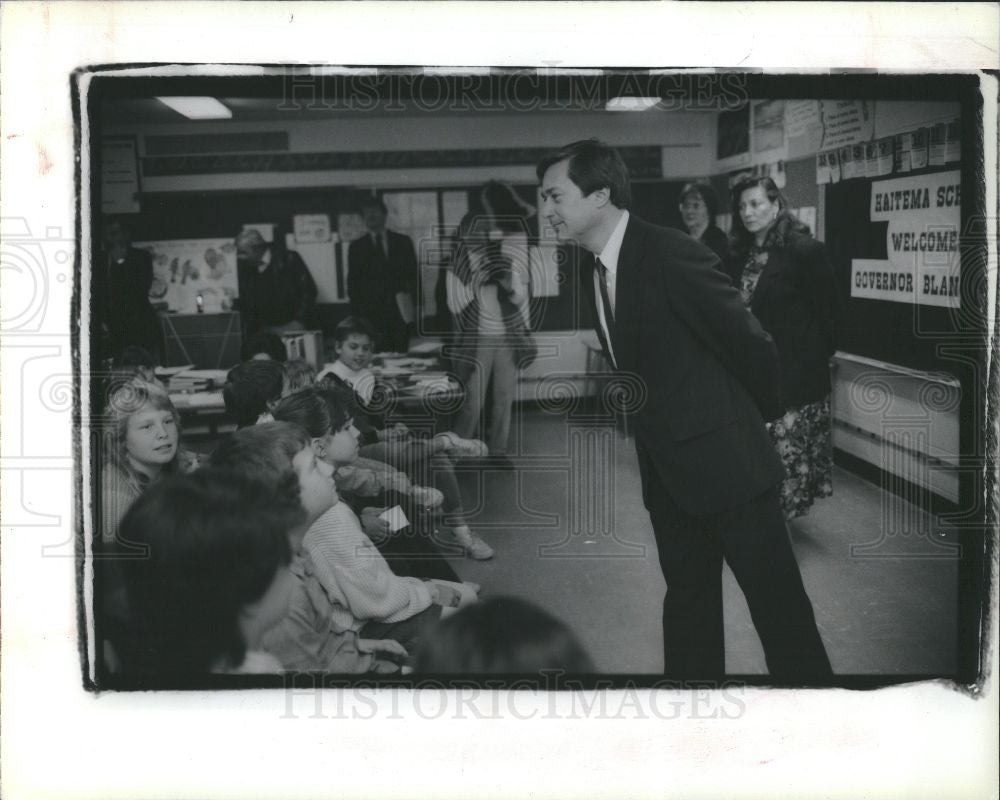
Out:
{"x": 382, "y": 279}
{"x": 277, "y": 291}
{"x": 122, "y": 294}
{"x": 667, "y": 314}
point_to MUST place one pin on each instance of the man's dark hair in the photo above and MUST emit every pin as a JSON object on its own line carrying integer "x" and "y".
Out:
{"x": 372, "y": 201}
{"x": 593, "y": 165}
{"x": 249, "y": 387}
{"x": 215, "y": 541}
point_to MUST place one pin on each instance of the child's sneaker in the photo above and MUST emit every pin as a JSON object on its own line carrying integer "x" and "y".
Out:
{"x": 426, "y": 496}
{"x": 457, "y": 447}
{"x": 474, "y": 547}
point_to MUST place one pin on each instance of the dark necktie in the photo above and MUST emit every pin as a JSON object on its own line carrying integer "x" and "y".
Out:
{"x": 380, "y": 244}
{"x": 609, "y": 315}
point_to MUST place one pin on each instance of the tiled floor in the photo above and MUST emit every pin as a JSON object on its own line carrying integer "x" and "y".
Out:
{"x": 882, "y": 578}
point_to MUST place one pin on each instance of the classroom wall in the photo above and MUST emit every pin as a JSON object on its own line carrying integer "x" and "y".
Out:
{"x": 687, "y": 140}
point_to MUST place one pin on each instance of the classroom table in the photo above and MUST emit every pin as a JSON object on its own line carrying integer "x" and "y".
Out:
{"x": 420, "y": 389}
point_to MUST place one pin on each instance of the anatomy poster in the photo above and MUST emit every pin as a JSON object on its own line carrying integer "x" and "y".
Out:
{"x": 183, "y": 269}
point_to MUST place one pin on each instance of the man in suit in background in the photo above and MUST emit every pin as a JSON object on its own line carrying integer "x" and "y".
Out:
{"x": 666, "y": 313}
{"x": 122, "y": 298}
{"x": 277, "y": 291}
{"x": 382, "y": 279}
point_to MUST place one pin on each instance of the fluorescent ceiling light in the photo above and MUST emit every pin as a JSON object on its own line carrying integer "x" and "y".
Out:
{"x": 197, "y": 107}
{"x": 631, "y": 103}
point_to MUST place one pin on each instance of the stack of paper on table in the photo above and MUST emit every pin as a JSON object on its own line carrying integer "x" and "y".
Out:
{"x": 196, "y": 380}
{"x": 197, "y": 400}
{"x": 426, "y": 348}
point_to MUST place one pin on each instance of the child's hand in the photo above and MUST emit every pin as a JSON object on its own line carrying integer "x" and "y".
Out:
{"x": 395, "y": 433}
{"x": 453, "y": 596}
{"x": 388, "y": 647}
{"x": 427, "y": 496}
{"x": 376, "y": 529}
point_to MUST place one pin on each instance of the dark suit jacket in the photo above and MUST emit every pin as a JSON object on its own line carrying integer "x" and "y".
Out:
{"x": 794, "y": 301}
{"x": 716, "y": 240}
{"x": 709, "y": 371}
{"x": 373, "y": 280}
{"x": 283, "y": 292}
{"x": 124, "y": 303}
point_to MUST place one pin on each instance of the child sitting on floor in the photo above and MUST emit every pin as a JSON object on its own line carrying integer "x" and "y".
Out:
{"x": 395, "y": 445}
{"x": 346, "y": 592}
{"x": 299, "y": 374}
{"x": 323, "y": 414}
{"x": 143, "y": 445}
{"x": 504, "y": 635}
{"x": 252, "y": 389}
{"x": 214, "y": 578}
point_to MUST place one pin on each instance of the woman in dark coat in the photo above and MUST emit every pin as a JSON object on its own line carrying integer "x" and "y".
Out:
{"x": 785, "y": 278}
{"x": 698, "y": 207}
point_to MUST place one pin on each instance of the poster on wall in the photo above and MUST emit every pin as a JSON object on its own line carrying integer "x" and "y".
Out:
{"x": 846, "y": 122}
{"x": 803, "y": 127}
{"x": 733, "y": 137}
{"x": 922, "y": 264}
{"x": 768, "y": 125}
{"x": 119, "y": 176}
{"x": 186, "y": 269}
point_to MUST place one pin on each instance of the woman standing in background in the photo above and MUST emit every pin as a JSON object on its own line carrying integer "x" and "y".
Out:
{"x": 488, "y": 295}
{"x": 698, "y": 207}
{"x": 785, "y": 278}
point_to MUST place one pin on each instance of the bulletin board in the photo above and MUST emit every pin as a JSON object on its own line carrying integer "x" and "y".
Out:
{"x": 907, "y": 334}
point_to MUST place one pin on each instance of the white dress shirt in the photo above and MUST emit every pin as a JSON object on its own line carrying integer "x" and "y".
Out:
{"x": 609, "y": 257}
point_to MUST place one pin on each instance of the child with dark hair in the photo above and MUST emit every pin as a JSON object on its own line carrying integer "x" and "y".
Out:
{"x": 252, "y": 389}
{"x": 322, "y": 418}
{"x": 263, "y": 346}
{"x": 215, "y": 578}
{"x": 503, "y": 635}
{"x": 366, "y": 582}
{"x": 396, "y": 445}
{"x": 299, "y": 374}
{"x": 334, "y": 597}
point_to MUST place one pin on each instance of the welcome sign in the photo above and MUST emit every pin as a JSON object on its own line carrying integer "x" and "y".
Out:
{"x": 922, "y": 242}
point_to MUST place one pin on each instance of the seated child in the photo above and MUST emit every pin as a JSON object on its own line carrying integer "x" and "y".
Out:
{"x": 138, "y": 361}
{"x": 323, "y": 414}
{"x": 143, "y": 445}
{"x": 503, "y": 635}
{"x": 343, "y": 582}
{"x": 266, "y": 346}
{"x": 299, "y": 374}
{"x": 214, "y": 580}
{"x": 396, "y": 446}
{"x": 252, "y": 389}
{"x": 310, "y": 409}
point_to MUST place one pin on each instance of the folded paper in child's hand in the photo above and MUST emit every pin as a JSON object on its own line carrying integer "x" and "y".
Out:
{"x": 395, "y": 517}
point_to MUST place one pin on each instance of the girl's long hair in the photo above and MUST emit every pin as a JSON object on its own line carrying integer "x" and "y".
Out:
{"x": 126, "y": 399}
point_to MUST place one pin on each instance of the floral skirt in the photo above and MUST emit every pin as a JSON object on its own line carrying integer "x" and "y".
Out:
{"x": 802, "y": 439}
